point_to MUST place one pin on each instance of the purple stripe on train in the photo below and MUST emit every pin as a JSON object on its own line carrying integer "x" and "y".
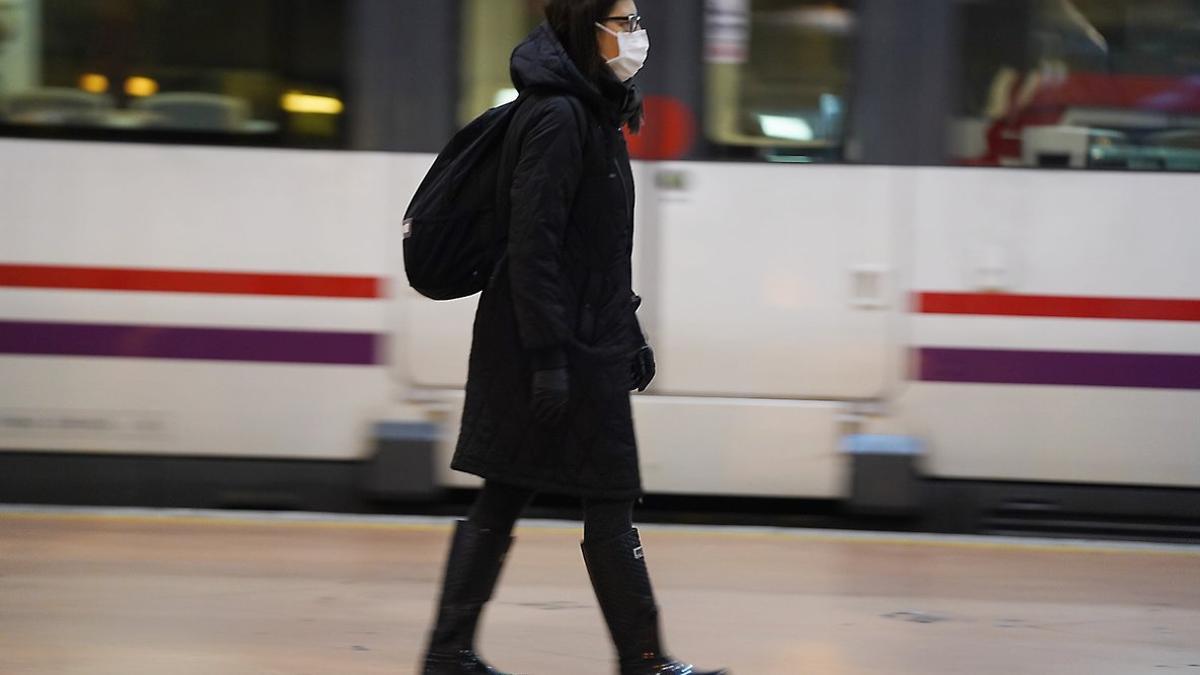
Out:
{"x": 165, "y": 342}
{"x": 1084, "y": 369}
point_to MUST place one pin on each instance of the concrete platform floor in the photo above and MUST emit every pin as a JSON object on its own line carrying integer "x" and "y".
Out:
{"x": 139, "y": 593}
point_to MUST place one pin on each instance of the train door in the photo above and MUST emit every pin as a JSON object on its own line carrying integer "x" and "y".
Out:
{"x": 772, "y": 275}
{"x": 769, "y": 274}
{"x": 777, "y": 270}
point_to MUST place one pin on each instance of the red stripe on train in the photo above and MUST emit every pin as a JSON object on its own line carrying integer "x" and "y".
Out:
{"x": 187, "y": 281}
{"x": 1003, "y": 304}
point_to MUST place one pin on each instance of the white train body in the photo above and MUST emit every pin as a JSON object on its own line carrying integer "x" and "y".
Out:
{"x": 1023, "y": 324}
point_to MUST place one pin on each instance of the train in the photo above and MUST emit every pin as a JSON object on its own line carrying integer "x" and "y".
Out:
{"x": 929, "y": 256}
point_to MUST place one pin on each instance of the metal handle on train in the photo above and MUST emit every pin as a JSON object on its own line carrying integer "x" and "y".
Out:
{"x": 868, "y": 286}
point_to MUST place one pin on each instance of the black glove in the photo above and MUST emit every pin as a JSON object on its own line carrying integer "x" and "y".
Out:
{"x": 551, "y": 390}
{"x": 642, "y": 369}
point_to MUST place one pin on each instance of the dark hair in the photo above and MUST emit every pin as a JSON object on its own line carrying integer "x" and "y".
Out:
{"x": 574, "y": 22}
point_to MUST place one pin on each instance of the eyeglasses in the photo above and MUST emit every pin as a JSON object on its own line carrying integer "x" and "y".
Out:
{"x": 633, "y": 22}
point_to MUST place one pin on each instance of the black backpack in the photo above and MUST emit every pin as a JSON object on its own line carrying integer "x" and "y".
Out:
{"x": 454, "y": 233}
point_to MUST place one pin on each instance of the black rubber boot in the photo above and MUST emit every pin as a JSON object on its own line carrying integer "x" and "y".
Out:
{"x": 622, "y": 584}
{"x": 472, "y": 569}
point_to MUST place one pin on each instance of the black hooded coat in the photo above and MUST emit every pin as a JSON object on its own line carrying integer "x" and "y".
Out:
{"x": 561, "y": 294}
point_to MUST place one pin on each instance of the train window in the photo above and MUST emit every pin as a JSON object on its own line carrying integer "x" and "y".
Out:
{"x": 778, "y": 76}
{"x": 490, "y": 30}
{"x": 238, "y": 71}
{"x": 1109, "y": 84}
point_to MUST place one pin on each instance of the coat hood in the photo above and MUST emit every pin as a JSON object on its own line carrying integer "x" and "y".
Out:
{"x": 541, "y": 62}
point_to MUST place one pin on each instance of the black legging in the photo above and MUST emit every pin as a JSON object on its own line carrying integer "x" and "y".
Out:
{"x": 499, "y": 505}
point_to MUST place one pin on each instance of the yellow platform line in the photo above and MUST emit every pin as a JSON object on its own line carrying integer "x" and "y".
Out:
{"x": 966, "y": 542}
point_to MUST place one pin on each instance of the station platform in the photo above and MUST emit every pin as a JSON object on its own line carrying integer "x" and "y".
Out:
{"x": 128, "y": 592}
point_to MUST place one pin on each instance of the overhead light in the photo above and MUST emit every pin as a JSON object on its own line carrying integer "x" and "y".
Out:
{"x": 93, "y": 83}
{"x": 297, "y": 102}
{"x": 141, "y": 86}
{"x": 786, "y": 128}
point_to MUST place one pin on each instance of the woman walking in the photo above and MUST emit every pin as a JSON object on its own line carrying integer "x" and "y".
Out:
{"x": 557, "y": 346}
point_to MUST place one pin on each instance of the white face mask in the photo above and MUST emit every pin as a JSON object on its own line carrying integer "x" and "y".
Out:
{"x": 635, "y": 47}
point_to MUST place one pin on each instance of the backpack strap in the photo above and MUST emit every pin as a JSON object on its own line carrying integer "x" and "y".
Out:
{"x": 510, "y": 153}
{"x": 581, "y": 118}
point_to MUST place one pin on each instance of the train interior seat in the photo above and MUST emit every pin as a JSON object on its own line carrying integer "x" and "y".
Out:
{"x": 55, "y": 105}
{"x": 196, "y": 111}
